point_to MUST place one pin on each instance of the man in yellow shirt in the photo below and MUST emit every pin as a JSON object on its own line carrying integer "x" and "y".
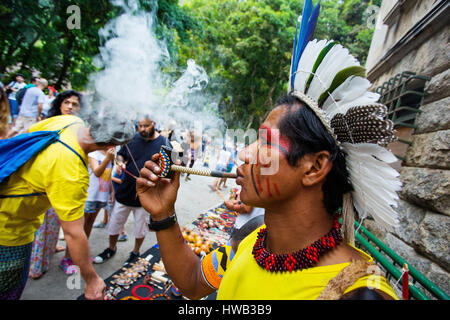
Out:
{"x": 318, "y": 156}
{"x": 299, "y": 211}
{"x": 56, "y": 177}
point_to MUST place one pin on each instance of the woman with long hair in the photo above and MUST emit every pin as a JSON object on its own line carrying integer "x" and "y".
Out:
{"x": 67, "y": 102}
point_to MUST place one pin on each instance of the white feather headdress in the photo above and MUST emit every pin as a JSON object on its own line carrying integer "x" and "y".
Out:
{"x": 331, "y": 82}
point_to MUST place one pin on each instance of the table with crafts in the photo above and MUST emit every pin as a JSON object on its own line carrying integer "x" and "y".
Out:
{"x": 146, "y": 279}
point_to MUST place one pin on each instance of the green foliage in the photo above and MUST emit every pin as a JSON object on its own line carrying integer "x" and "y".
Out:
{"x": 244, "y": 45}
{"x": 246, "y": 48}
{"x": 34, "y": 36}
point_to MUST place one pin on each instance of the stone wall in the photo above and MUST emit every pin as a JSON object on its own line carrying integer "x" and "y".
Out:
{"x": 423, "y": 235}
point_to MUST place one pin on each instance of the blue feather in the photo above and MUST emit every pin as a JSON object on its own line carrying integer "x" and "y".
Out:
{"x": 294, "y": 49}
{"x": 304, "y": 35}
{"x": 294, "y": 52}
{"x": 306, "y": 13}
{"x": 311, "y": 26}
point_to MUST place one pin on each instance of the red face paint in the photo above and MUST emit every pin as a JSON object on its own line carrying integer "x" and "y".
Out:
{"x": 273, "y": 139}
{"x": 276, "y": 189}
{"x": 257, "y": 184}
{"x": 270, "y": 138}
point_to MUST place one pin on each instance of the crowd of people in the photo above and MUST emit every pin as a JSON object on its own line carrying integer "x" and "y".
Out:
{"x": 295, "y": 237}
{"x": 113, "y": 182}
{"x": 109, "y": 182}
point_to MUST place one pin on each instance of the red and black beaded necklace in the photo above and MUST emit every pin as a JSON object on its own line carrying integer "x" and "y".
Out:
{"x": 298, "y": 260}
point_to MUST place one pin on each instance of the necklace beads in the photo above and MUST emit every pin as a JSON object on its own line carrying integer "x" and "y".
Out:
{"x": 302, "y": 259}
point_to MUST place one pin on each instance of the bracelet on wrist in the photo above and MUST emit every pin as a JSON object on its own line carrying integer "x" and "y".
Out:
{"x": 162, "y": 224}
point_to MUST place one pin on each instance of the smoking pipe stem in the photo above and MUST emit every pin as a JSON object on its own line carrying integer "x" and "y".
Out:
{"x": 203, "y": 172}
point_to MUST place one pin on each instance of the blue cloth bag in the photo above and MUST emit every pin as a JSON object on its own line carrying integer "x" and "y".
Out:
{"x": 16, "y": 151}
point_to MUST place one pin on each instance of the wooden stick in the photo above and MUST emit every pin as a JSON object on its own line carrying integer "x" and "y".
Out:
{"x": 166, "y": 165}
{"x": 125, "y": 170}
{"x": 203, "y": 172}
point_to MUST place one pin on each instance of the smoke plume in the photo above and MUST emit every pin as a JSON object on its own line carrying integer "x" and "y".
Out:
{"x": 131, "y": 82}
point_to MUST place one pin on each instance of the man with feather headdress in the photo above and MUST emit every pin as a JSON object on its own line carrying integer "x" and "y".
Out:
{"x": 326, "y": 139}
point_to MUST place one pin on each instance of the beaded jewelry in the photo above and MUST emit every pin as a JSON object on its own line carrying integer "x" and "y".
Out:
{"x": 160, "y": 295}
{"x": 129, "y": 298}
{"x": 298, "y": 260}
{"x": 133, "y": 291}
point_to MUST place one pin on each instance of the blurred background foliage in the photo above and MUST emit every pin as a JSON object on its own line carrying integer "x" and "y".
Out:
{"x": 244, "y": 45}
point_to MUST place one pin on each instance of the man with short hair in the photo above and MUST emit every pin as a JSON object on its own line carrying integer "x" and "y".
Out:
{"x": 31, "y": 108}
{"x": 57, "y": 176}
{"x": 144, "y": 144}
{"x": 21, "y": 93}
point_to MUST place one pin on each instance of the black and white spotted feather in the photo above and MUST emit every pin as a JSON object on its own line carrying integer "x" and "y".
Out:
{"x": 328, "y": 79}
{"x": 365, "y": 124}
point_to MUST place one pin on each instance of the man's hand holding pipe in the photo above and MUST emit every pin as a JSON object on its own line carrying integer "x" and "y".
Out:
{"x": 157, "y": 195}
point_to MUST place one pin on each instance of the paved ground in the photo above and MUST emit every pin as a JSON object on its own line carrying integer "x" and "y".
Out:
{"x": 194, "y": 198}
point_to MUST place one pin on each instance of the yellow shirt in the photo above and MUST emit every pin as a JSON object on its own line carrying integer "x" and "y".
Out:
{"x": 56, "y": 171}
{"x": 244, "y": 279}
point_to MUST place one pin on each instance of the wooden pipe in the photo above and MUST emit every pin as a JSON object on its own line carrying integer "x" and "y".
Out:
{"x": 167, "y": 167}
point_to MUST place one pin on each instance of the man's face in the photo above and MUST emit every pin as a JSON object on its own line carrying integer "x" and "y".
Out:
{"x": 19, "y": 79}
{"x": 70, "y": 105}
{"x": 146, "y": 128}
{"x": 266, "y": 176}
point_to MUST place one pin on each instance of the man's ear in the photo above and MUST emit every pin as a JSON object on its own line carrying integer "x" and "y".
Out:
{"x": 316, "y": 168}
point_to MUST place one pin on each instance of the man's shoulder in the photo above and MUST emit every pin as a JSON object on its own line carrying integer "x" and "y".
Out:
{"x": 34, "y": 91}
{"x": 133, "y": 142}
{"x": 160, "y": 139}
{"x": 40, "y": 93}
{"x": 139, "y": 143}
